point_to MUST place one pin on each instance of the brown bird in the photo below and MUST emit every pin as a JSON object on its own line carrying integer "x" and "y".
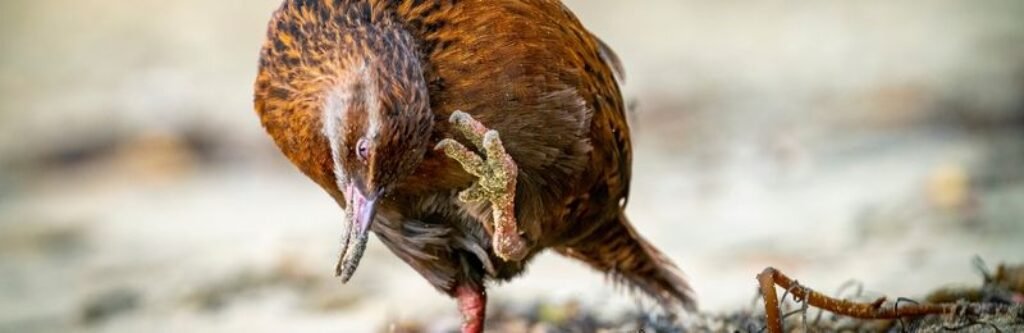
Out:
{"x": 377, "y": 101}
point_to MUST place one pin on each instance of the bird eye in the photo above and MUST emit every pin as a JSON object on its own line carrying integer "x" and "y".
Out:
{"x": 363, "y": 149}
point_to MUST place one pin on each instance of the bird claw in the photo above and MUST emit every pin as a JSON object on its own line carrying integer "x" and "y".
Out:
{"x": 496, "y": 181}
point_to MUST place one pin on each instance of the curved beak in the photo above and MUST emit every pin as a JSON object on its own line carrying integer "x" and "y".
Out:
{"x": 360, "y": 211}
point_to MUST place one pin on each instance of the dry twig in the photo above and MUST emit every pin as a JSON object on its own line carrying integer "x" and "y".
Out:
{"x": 771, "y": 277}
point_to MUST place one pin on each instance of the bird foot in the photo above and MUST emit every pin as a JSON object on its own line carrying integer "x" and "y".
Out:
{"x": 496, "y": 181}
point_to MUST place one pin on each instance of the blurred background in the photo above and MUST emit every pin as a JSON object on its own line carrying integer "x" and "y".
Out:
{"x": 875, "y": 140}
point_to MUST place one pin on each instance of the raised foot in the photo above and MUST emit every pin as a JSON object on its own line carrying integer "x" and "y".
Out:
{"x": 496, "y": 181}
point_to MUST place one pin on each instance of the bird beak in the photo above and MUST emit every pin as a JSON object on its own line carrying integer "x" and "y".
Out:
{"x": 360, "y": 212}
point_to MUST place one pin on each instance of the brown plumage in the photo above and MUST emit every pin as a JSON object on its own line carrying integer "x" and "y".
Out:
{"x": 357, "y": 94}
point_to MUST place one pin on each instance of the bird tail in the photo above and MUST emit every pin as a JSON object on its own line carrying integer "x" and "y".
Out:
{"x": 615, "y": 248}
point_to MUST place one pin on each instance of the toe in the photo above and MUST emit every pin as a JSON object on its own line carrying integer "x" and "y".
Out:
{"x": 470, "y": 161}
{"x": 472, "y": 129}
{"x": 474, "y": 193}
{"x": 510, "y": 247}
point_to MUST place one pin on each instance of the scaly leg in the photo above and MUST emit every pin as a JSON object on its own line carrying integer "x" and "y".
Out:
{"x": 496, "y": 183}
{"x": 473, "y": 305}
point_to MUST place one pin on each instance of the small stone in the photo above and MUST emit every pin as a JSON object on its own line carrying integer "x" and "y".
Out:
{"x": 107, "y": 305}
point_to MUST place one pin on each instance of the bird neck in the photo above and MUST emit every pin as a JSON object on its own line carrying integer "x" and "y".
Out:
{"x": 379, "y": 94}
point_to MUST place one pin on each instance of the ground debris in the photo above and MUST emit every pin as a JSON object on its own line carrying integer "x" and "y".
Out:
{"x": 995, "y": 306}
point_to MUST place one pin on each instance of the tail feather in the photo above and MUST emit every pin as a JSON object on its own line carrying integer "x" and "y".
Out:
{"x": 618, "y": 250}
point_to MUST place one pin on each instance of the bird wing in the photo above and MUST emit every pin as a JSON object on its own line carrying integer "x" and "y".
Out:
{"x": 611, "y": 59}
{"x": 614, "y": 114}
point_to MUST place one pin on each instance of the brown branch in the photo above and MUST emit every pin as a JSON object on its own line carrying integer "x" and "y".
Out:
{"x": 874, "y": 310}
{"x": 771, "y": 302}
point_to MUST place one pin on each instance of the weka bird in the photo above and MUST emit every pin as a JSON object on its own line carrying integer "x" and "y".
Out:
{"x": 368, "y": 98}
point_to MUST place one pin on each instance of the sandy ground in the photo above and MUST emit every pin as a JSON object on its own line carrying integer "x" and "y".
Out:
{"x": 873, "y": 141}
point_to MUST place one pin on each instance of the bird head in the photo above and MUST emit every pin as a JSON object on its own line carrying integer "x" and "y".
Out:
{"x": 377, "y": 122}
{"x": 341, "y": 91}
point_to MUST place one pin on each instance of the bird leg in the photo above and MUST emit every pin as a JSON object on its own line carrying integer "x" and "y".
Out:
{"x": 473, "y": 305}
{"x": 496, "y": 181}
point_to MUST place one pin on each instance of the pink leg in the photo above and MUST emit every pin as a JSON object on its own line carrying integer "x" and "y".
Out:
{"x": 473, "y": 305}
